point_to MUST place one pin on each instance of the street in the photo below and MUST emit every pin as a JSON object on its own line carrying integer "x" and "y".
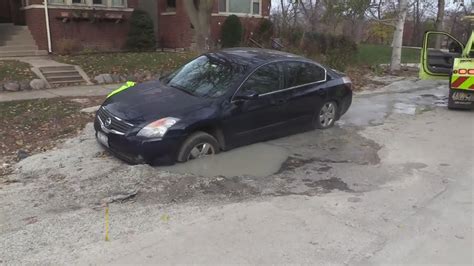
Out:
{"x": 392, "y": 182}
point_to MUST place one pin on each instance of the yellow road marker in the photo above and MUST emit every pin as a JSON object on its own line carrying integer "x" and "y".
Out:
{"x": 107, "y": 222}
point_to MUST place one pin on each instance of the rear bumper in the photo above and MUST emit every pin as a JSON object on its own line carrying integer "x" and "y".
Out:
{"x": 461, "y": 99}
{"x": 135, "y": 150}
{"x": 345, "y": 103}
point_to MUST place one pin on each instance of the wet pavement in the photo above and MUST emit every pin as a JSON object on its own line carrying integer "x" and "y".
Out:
{"x": 340, "y": 144}
{"x": 366, "y": 172}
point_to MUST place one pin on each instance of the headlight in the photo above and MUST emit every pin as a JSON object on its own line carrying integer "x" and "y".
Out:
{"x": 158, "y": 128}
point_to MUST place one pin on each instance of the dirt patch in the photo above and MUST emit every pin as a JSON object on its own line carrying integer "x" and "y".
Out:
{"x": 361, "y": 82}
{"x": 34, "y": 126}
{"x": 328, "y": 185}
{"x": 357, "y": 75}
{"x": 293, "y": 163}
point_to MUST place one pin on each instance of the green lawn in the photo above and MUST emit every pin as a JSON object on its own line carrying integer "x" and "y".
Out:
{"x": 127, "y": 63}
{"x": 12, "y": 70}
{"x": 372, "y": 54}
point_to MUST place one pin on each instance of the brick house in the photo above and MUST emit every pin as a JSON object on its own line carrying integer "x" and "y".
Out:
{"x": 174, "y": 29}
{"x": 104, "y": 24}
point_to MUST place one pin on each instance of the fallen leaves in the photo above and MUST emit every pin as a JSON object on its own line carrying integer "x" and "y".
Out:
{"x": 127, "y": 63}
{"x": 12, "y": 70}
{"x": 36, "y": 125}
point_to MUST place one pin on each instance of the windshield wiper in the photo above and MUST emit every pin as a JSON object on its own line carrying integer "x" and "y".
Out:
{"x": 182, "y": 89}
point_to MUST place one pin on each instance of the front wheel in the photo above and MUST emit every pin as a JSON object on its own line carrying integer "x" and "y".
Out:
{"x": 198, "y": 145}
{"x": 326, "y": 115}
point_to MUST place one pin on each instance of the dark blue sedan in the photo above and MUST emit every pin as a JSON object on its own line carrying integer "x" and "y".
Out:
{"x": 219, "y": 101}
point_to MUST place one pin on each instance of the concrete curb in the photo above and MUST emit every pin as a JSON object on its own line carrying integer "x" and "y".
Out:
{"x": 73, "y": 91}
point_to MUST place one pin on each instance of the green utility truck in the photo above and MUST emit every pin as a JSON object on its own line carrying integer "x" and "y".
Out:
{"x": 444, "y": 57}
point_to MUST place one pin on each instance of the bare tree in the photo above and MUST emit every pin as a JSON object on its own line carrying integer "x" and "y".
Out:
{"x": 439, "y": 24}
{"x": 355, "y": 10}
{"x": 199, "y": 13}
{"x": 395, "y": 63}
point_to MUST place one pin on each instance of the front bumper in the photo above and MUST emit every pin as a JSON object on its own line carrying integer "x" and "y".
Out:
{"x": 135, "y": 150}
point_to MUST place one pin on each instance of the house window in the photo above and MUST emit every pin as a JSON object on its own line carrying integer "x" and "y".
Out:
{"x": 222, "y": 6}
{"x": 78, "y": 1}
{"x": 170, "y": 5}
{"x": 56, "y": 1}
{"x": 256, "y": 7}
{"x": 97, "y": 2}
{"x": 118, "y": 3}
{"x": 240, "y": 6}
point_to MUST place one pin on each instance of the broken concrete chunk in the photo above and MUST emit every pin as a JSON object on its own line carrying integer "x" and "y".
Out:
{"x": 89, "y": 110}
{"x": 11, "y": 86}
{"x": 104, "y": 78}
{"x": 121, "y": 197}
{"x": 38, "y": 84}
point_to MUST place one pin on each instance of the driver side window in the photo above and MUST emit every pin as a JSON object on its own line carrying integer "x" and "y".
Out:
{"x": 441, "y": 49}
{"x": 266, "y": 79}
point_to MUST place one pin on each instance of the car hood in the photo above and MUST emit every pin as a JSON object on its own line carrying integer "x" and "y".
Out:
{"x": 153, "y": 100}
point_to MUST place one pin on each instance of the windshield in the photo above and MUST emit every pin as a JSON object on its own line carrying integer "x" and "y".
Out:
{"x": 205, "y": 76}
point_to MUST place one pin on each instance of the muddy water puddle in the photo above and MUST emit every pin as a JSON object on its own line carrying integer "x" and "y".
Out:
{"x": 257, "y": 160}
{"x": 339, "y": 144}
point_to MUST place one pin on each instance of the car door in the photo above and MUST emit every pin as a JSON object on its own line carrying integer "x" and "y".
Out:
{"x": 437, "y": 55}
{"x": 257, "y": 119}
{"x": 306, "y": 82}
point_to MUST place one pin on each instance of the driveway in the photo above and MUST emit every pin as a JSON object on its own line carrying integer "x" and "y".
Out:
{"x": 391, "y": 183}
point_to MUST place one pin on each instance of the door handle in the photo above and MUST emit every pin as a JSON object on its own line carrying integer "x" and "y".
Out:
{"x": 279, "y": 101}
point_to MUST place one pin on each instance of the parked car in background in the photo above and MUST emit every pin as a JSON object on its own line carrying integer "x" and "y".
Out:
{"x": 219, "y": 101}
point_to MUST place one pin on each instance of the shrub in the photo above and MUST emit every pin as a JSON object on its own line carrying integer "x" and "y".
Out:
{"x": 339, "y": 51}
{"x": 231, "y": 34}
{"x": 265, "y": 31}
{"x": 68, "y": 46}
{"x": 294, "y": 37}
{"x": 141, "y": 36}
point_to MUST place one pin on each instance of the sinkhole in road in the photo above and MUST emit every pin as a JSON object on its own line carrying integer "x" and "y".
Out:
{"x": 257, "y": 160}
{"x": 338, "y": 144}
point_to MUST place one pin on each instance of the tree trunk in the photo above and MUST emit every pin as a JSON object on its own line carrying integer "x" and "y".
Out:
{"x": 358, "y": 30}
{"x": 199, "y": 13}
{"x": 439, "y": 24}
{"x": 416, "y": 25}
{"x": 395, "y": 64}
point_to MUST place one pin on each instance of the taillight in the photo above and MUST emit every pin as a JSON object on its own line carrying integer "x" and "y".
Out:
{"x": 464, "y": 71}
{"x": 346, "y": 80}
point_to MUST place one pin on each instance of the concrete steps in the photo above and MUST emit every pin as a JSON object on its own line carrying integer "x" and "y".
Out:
{"x": 17, "y": 41}
{"x": 62, "y": 74}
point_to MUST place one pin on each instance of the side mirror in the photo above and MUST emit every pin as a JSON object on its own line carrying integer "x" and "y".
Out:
{"x": 246, "y": 95}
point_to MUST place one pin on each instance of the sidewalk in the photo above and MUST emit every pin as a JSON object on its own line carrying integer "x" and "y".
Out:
{"x": 74, "y": 91}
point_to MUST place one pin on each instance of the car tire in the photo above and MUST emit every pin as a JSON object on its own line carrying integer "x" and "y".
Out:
{"x": 195, "y": 146}
{"x": 326, "y": 115}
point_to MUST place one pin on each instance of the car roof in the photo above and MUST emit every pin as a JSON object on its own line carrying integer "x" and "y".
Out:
{"x": 253, "y": 57}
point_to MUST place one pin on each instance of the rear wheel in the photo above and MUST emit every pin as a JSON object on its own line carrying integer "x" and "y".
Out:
{"x": 326, "y": 115}
{"x": 198, "y": 145}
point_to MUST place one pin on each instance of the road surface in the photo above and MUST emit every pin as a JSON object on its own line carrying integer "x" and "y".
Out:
{"x": 391, "y": 183}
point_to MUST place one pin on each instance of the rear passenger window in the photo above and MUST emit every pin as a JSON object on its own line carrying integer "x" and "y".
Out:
{"x": 300, "y": 73}
{"x": 266, "y": 79}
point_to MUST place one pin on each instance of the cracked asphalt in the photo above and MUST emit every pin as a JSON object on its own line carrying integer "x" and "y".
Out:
{"x": 391, "y": 183}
